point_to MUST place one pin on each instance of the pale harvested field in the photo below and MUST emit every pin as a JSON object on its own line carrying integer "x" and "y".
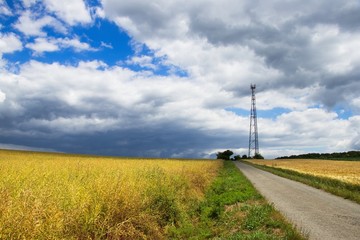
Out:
{"x": 347, "y": 171}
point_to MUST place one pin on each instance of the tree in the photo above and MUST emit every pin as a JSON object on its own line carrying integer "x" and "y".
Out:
{"x": 244, "y": 156}
{"x": 236, "y": 157}
{"x": 258, "y": 156}
{"x": 224, "y": 155}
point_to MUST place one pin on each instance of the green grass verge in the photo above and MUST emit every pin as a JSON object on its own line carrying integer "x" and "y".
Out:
{"x": 233, "y": 209}
{"x": 336, "y": 187}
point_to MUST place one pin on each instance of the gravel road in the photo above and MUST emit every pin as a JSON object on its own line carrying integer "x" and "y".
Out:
{"x": 319, "y": 214}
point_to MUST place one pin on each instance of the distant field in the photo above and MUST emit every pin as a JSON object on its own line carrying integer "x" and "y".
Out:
{"x": 59, "y": 196}
{"x": 346, "y": 171}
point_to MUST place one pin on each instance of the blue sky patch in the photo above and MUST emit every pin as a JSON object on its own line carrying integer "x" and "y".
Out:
{"x": 272, "y": 113}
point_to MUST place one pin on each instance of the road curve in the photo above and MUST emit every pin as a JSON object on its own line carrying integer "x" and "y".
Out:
{"x": 319, "y": 214}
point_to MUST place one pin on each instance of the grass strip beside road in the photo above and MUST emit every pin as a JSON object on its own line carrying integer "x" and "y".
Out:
{"x": 233, "y": 209}
{"x": 336, "y": 187}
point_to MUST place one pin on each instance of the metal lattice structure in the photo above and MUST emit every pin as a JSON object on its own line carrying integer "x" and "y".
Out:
{"x": 253, "y": 134}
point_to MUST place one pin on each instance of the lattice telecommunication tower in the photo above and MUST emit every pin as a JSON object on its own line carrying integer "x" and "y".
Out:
{"x": 253, "y": 135}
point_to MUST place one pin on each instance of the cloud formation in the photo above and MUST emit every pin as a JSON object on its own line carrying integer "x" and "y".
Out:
{"x": 31, "y": 25}
{"x": 41, "y": 45}
{"x": 275, "y": 44}
{"x": 70, "y": 11}
{"x": 183, "y": 90}
{"x": 9, "y": 43}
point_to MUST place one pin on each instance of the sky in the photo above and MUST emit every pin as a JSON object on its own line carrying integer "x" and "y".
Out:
{"x": 172, "y": 78}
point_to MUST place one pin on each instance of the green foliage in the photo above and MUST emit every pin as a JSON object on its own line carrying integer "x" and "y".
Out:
{"x": 258, "y": 156}
{"x": 224, "y": 155}
{"x": 350, "y": 156}
{"x": 165, "y": 204}
{"x": 258, "y": 215}
{"x": 233, "y": 209}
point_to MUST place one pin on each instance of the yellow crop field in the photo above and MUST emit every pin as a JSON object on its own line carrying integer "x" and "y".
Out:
{"x": 346, "y": 171}
{"x": 58, "y": 196}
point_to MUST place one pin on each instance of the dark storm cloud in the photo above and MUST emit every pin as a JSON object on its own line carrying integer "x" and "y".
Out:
{"x": 167, "y": 140}
{"x": 55, "y": 107}
{"x": 280, "y": 47}
{"x": 355, "y": 143}
{"x": 219, "y": 32}
{"x": 334, "y": 12}
{"x": 338, "y": 89}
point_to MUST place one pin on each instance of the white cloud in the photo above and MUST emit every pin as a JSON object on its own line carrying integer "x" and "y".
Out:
{"x": 29, "y": 3}
{"x": 32, "y": 26}
{"x": 73, "y": 125}
{"x": 339, "y": 55}
{"x": 355, "y": 103}
{"x": 43, "y": 45}
{"x": 2, "y": 96}
{"x": 106, "y": 45}
{"x": 71, "y": 11}
{"x": 292, "y": 99}
{"x": 355, "y": 125}
{"x": 355, "y": 130}
{"x": 52, "y": 44}
{"x": 4, "y": 9}
{"x": 24, "y": 148}
{"x": 9, "y": 43}
{"x": 142, "y": 61}
{"x": 98, "y": 12}
{"x": 74, "y": 43}
{"x": 311, "y": 129}
{"x": 132, "y": 94}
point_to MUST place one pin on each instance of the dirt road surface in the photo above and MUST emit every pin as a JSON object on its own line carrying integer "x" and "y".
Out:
{"x": 319, "y": 214}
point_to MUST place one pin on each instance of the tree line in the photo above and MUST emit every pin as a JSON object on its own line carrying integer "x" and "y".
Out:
{"x": 226, "y": 155}
{"x": 351, "y": 155}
